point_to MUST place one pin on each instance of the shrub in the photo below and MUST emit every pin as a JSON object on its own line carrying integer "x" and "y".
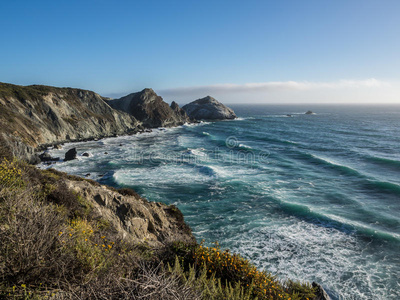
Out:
{"x": 10, "y": 175}
{"x": 232, "y": 269}
{"x": 30, "y": 249}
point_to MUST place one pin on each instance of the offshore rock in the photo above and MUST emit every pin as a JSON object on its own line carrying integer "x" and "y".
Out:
{"x": 208, "y": 108}
{"x": 71, "y": 154}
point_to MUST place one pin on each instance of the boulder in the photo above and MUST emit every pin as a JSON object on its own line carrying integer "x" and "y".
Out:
{"x": 71, "y": 154}
{"x": 45, "y": 157}
{"x": 208, "y": 108}
{"x": 309, "y": 112}
{"x": 86, "y": 154}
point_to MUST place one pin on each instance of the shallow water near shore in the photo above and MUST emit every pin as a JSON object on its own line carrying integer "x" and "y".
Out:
{"x": 307, "y": 197}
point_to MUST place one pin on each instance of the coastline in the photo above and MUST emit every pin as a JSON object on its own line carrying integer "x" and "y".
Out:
{"x": 77, "y": 116}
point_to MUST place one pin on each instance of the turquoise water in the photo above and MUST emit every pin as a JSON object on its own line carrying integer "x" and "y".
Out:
{"x": 308, "y": 197}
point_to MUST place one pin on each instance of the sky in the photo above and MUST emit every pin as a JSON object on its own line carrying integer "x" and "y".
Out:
{"x": 342, "y": 51}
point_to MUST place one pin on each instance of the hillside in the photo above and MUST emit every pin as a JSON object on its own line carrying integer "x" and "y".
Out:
{"x": 151, "y": 109}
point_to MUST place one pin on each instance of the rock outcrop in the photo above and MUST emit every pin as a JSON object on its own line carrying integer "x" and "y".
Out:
{"x": 320, "y": 293}
{"x": 13, "y": 146}
{"x": 208, "y": 108}
{"x": 31, "y": 116}
{"x": 134, "y": 217}
{"x": 149, "y": 108}
{"x": 70, "y": 154}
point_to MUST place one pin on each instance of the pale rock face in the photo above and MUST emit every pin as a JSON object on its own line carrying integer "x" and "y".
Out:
{"x": 136, "y": 218}
{"x": 41, "y": 115}
{"x": 208, "y": 108}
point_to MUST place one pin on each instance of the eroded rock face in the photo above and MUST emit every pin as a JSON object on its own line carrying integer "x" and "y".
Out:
{"x": 208, "y": 108}
{"x": 150, "y": 109}
{"x": 37, "y": 115}
{"x": 135, "y": 218}
{"x": 11, "y": 146}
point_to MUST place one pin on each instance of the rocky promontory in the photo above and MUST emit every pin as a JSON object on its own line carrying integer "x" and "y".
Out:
{"x": 150, "y": 109}
{"x": 208, "y": 108}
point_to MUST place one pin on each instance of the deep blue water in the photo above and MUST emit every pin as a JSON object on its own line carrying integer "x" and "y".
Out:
{"x": 308, "y": 197}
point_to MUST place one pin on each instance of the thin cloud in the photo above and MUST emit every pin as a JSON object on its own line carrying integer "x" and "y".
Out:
{"x": 272, "y": 86}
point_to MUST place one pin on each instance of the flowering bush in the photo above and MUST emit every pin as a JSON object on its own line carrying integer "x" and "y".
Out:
{"x": 233, "y": 269}
{"x": 10, "y": 175}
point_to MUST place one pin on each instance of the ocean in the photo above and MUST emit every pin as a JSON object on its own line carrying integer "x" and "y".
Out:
{"x": 306, "y": 197}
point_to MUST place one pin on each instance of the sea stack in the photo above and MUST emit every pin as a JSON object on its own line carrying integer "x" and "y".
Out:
{"x": 208, "y": 108}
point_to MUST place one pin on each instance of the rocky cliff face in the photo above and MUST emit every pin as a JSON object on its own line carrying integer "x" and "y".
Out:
{"x": 150, "y": 109}
{"x": 208, "y": 108}
{"x": 135, "y": 218}
{"x": 35, "y": 115}
{"x": 43, "y": 115}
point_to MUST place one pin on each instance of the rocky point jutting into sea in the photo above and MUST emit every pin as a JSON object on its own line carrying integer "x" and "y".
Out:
{"x": 34, "y": 118}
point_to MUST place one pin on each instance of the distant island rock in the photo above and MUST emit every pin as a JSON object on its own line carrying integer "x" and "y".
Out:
{"x": 208, "y": 108}
{"x": 150, "y": 109}
{"x": 309, "y": 112}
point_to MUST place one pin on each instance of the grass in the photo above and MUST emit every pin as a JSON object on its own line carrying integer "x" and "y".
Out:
{"x": 53, "y": 245}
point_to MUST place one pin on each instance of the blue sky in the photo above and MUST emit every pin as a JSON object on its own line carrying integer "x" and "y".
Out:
{"x": 254, "y": 51}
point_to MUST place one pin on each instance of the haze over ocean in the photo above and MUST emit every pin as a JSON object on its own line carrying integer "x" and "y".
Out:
{"x": 307, "y": 197}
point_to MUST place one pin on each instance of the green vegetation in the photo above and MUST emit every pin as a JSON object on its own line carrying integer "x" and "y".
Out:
{"x": 54, "y": 246}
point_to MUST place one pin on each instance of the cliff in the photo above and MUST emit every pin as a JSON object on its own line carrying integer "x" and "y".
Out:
{"x": 208, "y": 108}
{"x": 37, "y": 115}
{"x": 150, "y": 109}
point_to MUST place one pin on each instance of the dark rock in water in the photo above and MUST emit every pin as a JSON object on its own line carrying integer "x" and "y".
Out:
{"x": 85, "y": 154}
{"x": 46, "y": 157}
{"x": 320, "y": 293}
{"x": 105, "y": 152}
{"x": 87, "y": 175}
{"x": 309, "y": 112}
{"x": 71, "y": 154}
{"x": 289, "y": 116}
{"x": 149, "y": 108}
{"x": 120, "y": 145}
{"x": 208, "y": 108}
